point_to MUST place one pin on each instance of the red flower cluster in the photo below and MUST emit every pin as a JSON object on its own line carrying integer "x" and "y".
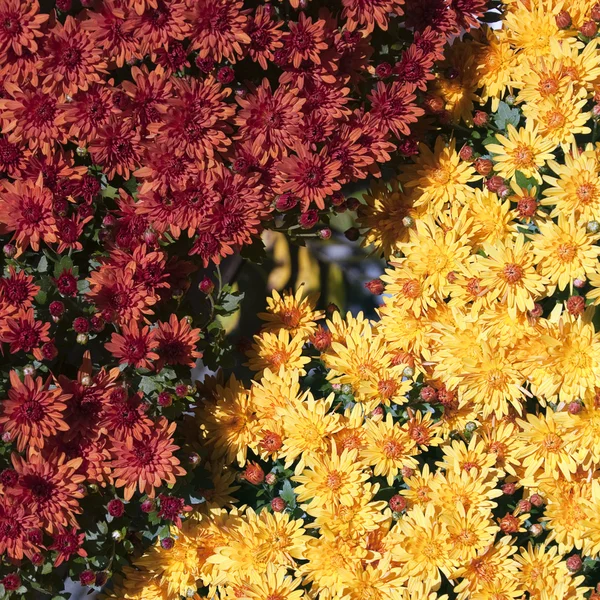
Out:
{"x": 135, "y": 133}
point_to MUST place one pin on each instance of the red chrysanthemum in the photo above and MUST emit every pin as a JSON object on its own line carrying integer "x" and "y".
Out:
{"x": 112, "y": 31}
{"x": 368, "y": 13}
{"x": 127, "y": 419}
{"x": 12, "y": 158}
{"x": 115, "y": 291}
{"x": 89, "y": 111}
{"x": 33, "y": 412}
{"x": 69, "y": 231}
{"x": 195, "y": 123}
{"x": 421, "y": 14}
{"x": 265, "y": 37}
{"x": 344, "y": 147}
{"x": 310, "y": 176}
{"x": 271, "y": 117}
{"x": 133, "y": 346}
{"x": 18, "y": 289}
{"x": 117, "y": 148}
{"x": 67, "y": 543}
{"x": 49, "y": 487}
{"x": 218, "y": 29}
{"x": 32, "y": 117}
{"x": 430, "y": 42}
{"x": 468, "y": 12}
{"x": 146, "y": 464}
{"x": 394, "y": 107}
{"x": 16, "y": 521}
{"x": 157, "y": 25}
{"x": 71, "y": 61}
{"x": 414, "y": 69}
{"x": 20, "y": 24}
{"x": 95, "y": 457}
{"x": 149, "y": 95}
{"x": 177, "y": 343}
{"x": 25, "y": 334}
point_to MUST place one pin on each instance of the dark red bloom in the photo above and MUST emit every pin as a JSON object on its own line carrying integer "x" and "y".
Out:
{"x": 66, "y": 283}
{"x": 116, "y": 508}
{"x": 67, "y": 543}
{"x": 11, "y": 582}
{"x": 394, "y": 107}
{"x": 171, "y": 508}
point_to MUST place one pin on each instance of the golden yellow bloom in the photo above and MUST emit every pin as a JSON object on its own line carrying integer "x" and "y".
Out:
{"x": 501, "y": 440}
{"x": 352, "y": 433}
{"x": 559, "y": 119}
{"x": 382, "y": 216}
{"x": 508, "y": 270}
{"x": 354, "y": 520}
{"x": 575, "y": 191}
{"x": 231, "y": 423}
{"x": 523, "y": 150}
{"x": 440, "y": 176}
{"x": 331, "y": 480}
{"x": 473, "y": 458}
{"x": 379, "y": 582}
{"x": 273, "y": 350}
{"x": 492, "y": 218}
{"x": 469, "y": 532}
{"x": 419, "y": 490}
{"x": 137, "y": 585}
{"x": 547, "y": 446}
{"x": 308, "y": 427}
{"x": 277, "y": 584}
{"x": 423, "y": 546}
{"x": 565, "y": 251}
{"x": 410, "y": 291}
{"x": 291, "y": 311}
{"x": 389, "y": 448}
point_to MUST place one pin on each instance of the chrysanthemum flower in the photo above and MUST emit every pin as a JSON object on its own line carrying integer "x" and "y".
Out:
{"x": 49, "y": 487}
{"x": 218, "y": 29}
{"x": 117, "y": 148}
{"x": 389, "y": 448}
{"x": 134, "y": 346}
{"x": 367, "y": 14}
{"x": 310, "y": 176}
{"x": 159, "y": 23}
{"x": 18, "y": 289}
{"x": 33, "y": 412}
{"x": 278, "y": 584}
{"x": 67, "y": 543}
{"x": 265, "y": 36}
{"x": 146, "y": 464}
{"x": 508, "y": 270}
{"x": 294, "y": 312}
{"x": 272, "y": 117}
{"x": 70, "y": 59}
{"x": 272, "y": 350}
{"x": 523, "y": 150}
{"x": 16, "y": 522}
{"x": 393, "y": 106}
{"x": 439, "y": 177}
{"x": 331, "y": 479}
{"x": 33, "y": 117}
{"x": 176, "y": 342}
{"x": 21, "y": 25}
{"x": 25, "y": 334}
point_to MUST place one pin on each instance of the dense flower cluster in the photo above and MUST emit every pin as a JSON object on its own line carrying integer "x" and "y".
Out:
{"x": 142, "y": 142}
{"x": 448, "y": 449}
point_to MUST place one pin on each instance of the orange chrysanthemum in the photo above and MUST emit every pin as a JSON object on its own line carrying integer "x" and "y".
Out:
{"x": 15, "y": 524}
{"x": 21, "y": 23}
{"x": 177, "y": 343}
{"x": 146, "y": 464}
{"x": 32, "y": 412}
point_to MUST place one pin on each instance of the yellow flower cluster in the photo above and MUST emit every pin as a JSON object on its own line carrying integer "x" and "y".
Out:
{"x": 450, "y": 448}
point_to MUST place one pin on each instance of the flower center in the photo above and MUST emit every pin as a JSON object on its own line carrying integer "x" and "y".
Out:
{"x": 31, "y": 411}
{"x": 387, "y": 388}
{"x": 411, "y": 288}
{"x": 524, "y": 156}
{"x": 512, "y": 273}
{"x": 566, "y": 252}
{"x": 291, "y": 317}
{"x": 552, "y": 442}
{"x": 39, "y": 487}
{"x": 143, "y": 453}
{"x": 586, "y": 193}
{"x": 334, "y": 480}
{"x": 440, "y": 176}
{"x": 555, "y": 120}
{"x": 393, "y": 449}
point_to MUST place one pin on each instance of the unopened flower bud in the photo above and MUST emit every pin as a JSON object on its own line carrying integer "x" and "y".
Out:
{"x": 147, "y": 506}
{"x": 377, "y": 412}
{"x": 10, "y": 250}
{"x": 408, "y": 221}
{"x": 116, "y": 508}
{"x": 574, "y": 563}
{"x": 278, "y": 504}
{"x": 117, "y": 535}
{"x": 536, "y": 500}
{"x": 82, "y": 338}
{"x": 576, "y": 305}
{"x": 206, "y": 286}
{"x": 254, "y": 474}
{"x": 397, "y": 503}
{"x": 324, "y": 234}
{"x": 383, "y": 70}
{"x": 509, "y": 524}
{"x": 167, "y": 543}
{"x": 87, "y": 577}
{"x": 81, "y": 151}
{"x": 536, "y": 530}
{"x": 593, "y": 227}
{"x": 509, "y": 489}
{"x": 375, "y": 286}
{"x": 407, "y": 472}
{"x": 563, "y": 20}
{"x": 537, "y": 311}
{"x": 29, "y": 370}
{"x": 483, "y": 166}
{"x": 494, "y": 183}
{"x": 466, "y": 152}
{"x": 470, "y": 427}
{"x": 270, "y": 478}
{"x": 480, "y": 118}
{"x": 574, "y": 407}
{"x": 408, "y": 372}
{"x": 428, "y": 394}
{"x": 579, "y": 282}
{"x": 524, "y": 506}
{"x": 346, "y": 388}
{"x": 309, "y": 218}
{"x": 589, "y": 29}
{"x": 595, "y": 14}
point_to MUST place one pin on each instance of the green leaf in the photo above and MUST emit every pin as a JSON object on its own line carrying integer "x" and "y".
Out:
{"x": 525, "y": 182}
{"x": 131, "y": 185}
{"x": 506, "y": 115}
{"x": 42, "y": 265}
{"x": 83, "y": 286}
{"x": 64, "y": 264}
{"x": 110, "y": 192}
{"x": 229, "y": 303}
{"x": 287, "y": 494}
{"x": 103, "y": 527}
{"x": 41, "y": 297}
{"x": 47, "y": 568}
{"x": 147, "y": 385}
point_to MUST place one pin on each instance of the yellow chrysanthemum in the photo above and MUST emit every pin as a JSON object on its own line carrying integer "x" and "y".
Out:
{"x": 389, "y": 448}
{"x": 547, "y": 446}
{"x": 440, "y": 176}
{"x": 472, "y": 458}
{"x": 575, "y": 190}
{"x": 231, "y": 423}
{"x": 410, "y": 291}
{"x": 382, "y": 216}
{"x": 273, "y": 350}
{"x": 330, "y": 480}
{"x": 492, "y": 218}
{"x": 565, "y": 251}
{"x": 374, "y": 581}
{"x": 291, "y": 311}
{"x": 501, "y": 440}
{"x": 418, "y": 490}
{"x": 276, "y": 583}
{"x": 523, "y": 150}
{"x": 423, "y": 547}
{"x": 137, "y": 585}
{"x": 508, "y": 270}
{"x": 308, "y": 428}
